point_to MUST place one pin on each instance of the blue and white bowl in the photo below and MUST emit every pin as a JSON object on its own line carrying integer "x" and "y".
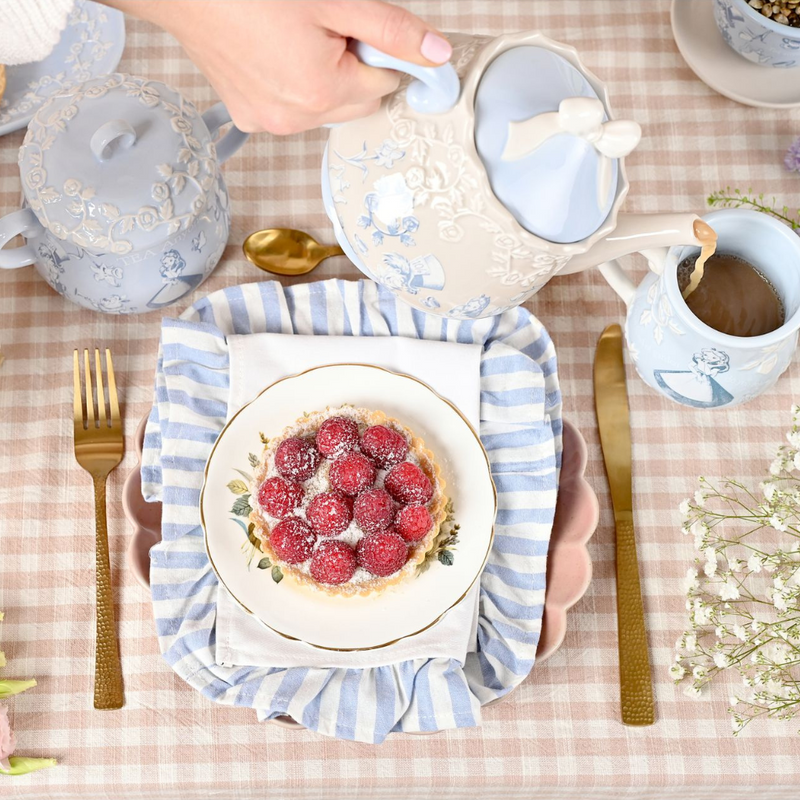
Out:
{"x": 755, "y": 37}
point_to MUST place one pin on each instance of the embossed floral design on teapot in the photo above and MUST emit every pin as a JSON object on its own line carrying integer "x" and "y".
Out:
{"x": 125, "y": 207}
{"x": 478, "y": 181}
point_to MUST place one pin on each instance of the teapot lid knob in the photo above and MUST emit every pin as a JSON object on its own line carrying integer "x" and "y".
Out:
{"x": 582, "y": 117}
{"x": 110, "y": 136}
{"x": 579, "y": 116}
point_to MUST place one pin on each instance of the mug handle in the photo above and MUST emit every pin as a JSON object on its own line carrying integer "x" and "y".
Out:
{"x": 618, "y": 279}
{"x": 214, "y": 118}
{"x": 25, "y": 222}
{"x": 435, "y": 90}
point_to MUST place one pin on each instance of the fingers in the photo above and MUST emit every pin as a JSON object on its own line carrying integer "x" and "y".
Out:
{"x": 355, "y": 111}
{"x": 348, "y": 84}
{"x": 311, "y": 78}
{"x": 358, "y": 83}
{"x": 283, "y": 121}
{"x": 389, "y": 28}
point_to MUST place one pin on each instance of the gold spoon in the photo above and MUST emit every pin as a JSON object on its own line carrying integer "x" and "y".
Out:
{"x": 285, "y": 251}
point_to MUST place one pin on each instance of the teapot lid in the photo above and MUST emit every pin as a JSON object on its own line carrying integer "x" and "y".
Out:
{"x": 117, "y": 164}
{"x": 549, "y": 150}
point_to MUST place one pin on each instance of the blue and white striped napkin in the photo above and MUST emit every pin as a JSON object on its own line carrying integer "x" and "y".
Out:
{"x": 520, "y": 428}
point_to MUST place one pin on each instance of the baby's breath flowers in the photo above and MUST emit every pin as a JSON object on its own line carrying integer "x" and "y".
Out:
{"x": 743, "y": 592}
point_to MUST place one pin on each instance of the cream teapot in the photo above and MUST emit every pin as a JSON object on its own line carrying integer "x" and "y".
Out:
{"x": 478, "y": 181}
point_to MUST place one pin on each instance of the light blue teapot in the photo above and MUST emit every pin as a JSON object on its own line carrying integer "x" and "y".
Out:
{"x": 125, "y": 207}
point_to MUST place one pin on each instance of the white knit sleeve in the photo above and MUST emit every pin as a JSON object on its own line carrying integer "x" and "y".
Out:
{"x": 30, "y": 29}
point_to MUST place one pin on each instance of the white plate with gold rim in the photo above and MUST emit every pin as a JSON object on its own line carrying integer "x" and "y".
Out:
{"x": 311, "y": 616}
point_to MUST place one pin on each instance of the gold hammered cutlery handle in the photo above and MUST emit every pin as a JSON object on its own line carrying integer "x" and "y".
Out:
{"x": 636, "y": 687}
{"x": 107, "y": 667}
{"x": 613, "y": 423}
{"x": 99, "y": 447}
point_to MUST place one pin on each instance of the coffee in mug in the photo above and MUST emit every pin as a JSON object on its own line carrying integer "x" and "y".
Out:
{"x": 732, "y": 296}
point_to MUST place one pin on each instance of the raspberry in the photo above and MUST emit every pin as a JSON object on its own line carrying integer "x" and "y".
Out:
{"x": 333, "y": 562}
{"x": 337, "y": 436}
{"x": 384, "y": 446}
{"x": 382, "y": 553}
{"x": 407, "y": 483}
{"x": 296, "y": 459}
{"x": 330, "y": 513}
{"x": 352, "y": 473}
{"x": 279, "y": 497}
{"x": 292, "y": 540}
{"x": 413, "y": 522}
{"x": 374, "y": 510}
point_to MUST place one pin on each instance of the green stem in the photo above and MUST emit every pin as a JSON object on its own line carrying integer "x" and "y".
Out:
{"x": 726, "y": 199}
{"x": 20, "y": 765}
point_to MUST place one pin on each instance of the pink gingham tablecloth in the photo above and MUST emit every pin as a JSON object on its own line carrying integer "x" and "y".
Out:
{"x": 558, "y": 735}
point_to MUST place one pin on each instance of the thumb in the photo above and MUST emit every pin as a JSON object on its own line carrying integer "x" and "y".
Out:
{"x": 395, "y": 31}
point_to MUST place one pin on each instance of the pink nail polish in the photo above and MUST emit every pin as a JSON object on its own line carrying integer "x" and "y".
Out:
{"x": 435, "y": 48}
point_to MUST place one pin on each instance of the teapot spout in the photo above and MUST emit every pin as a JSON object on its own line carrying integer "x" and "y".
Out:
{"x": 643, "y": 233}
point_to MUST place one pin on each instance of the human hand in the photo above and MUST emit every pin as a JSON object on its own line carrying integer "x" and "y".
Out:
{"x": 283, "y": 65}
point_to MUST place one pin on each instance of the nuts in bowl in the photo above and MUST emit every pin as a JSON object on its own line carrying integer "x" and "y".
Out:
{"x": 784, "y": 13}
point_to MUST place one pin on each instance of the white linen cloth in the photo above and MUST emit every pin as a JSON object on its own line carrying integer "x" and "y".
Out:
{"x": 259, "y": 359}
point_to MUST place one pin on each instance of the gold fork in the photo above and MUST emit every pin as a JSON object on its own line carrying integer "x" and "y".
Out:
{"x": 99, "y": 445}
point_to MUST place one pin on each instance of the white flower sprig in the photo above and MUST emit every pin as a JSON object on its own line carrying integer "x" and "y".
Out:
{"x": 743, "y": 593}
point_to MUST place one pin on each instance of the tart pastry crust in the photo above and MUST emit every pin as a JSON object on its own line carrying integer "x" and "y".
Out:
{"x": 362, "y": 583}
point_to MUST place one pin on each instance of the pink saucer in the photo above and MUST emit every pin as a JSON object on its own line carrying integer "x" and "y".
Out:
{"x": 569, "y": 568}
{"x": 144, "y": 517}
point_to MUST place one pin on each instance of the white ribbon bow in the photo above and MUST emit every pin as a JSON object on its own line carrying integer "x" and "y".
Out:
{"x": 582, "y": 117}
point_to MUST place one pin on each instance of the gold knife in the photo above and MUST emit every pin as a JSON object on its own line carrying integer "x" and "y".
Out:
{"x": 613, "y": 420}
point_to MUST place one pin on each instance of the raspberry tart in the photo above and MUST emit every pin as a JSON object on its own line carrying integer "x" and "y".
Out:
{"x": 348, "y": 501}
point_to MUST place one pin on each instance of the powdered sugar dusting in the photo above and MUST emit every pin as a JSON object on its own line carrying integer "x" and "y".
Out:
{"x": 297, "y": 459}
{"x": 306, "y": 428}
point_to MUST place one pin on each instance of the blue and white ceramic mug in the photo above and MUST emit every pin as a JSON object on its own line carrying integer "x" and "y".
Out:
{"x": 755, "y": 37}
{"x": 685, "y": 359}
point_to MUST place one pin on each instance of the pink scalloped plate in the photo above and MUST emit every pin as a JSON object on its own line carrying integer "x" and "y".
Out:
{"x": 569, "y": 568}
{"x": 144, "y": 517}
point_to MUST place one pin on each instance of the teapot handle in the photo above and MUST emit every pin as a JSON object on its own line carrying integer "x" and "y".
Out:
{"x": 25, "y": 222}
{"x": 435, "y": 90}
{"x": 214, "y": 118}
